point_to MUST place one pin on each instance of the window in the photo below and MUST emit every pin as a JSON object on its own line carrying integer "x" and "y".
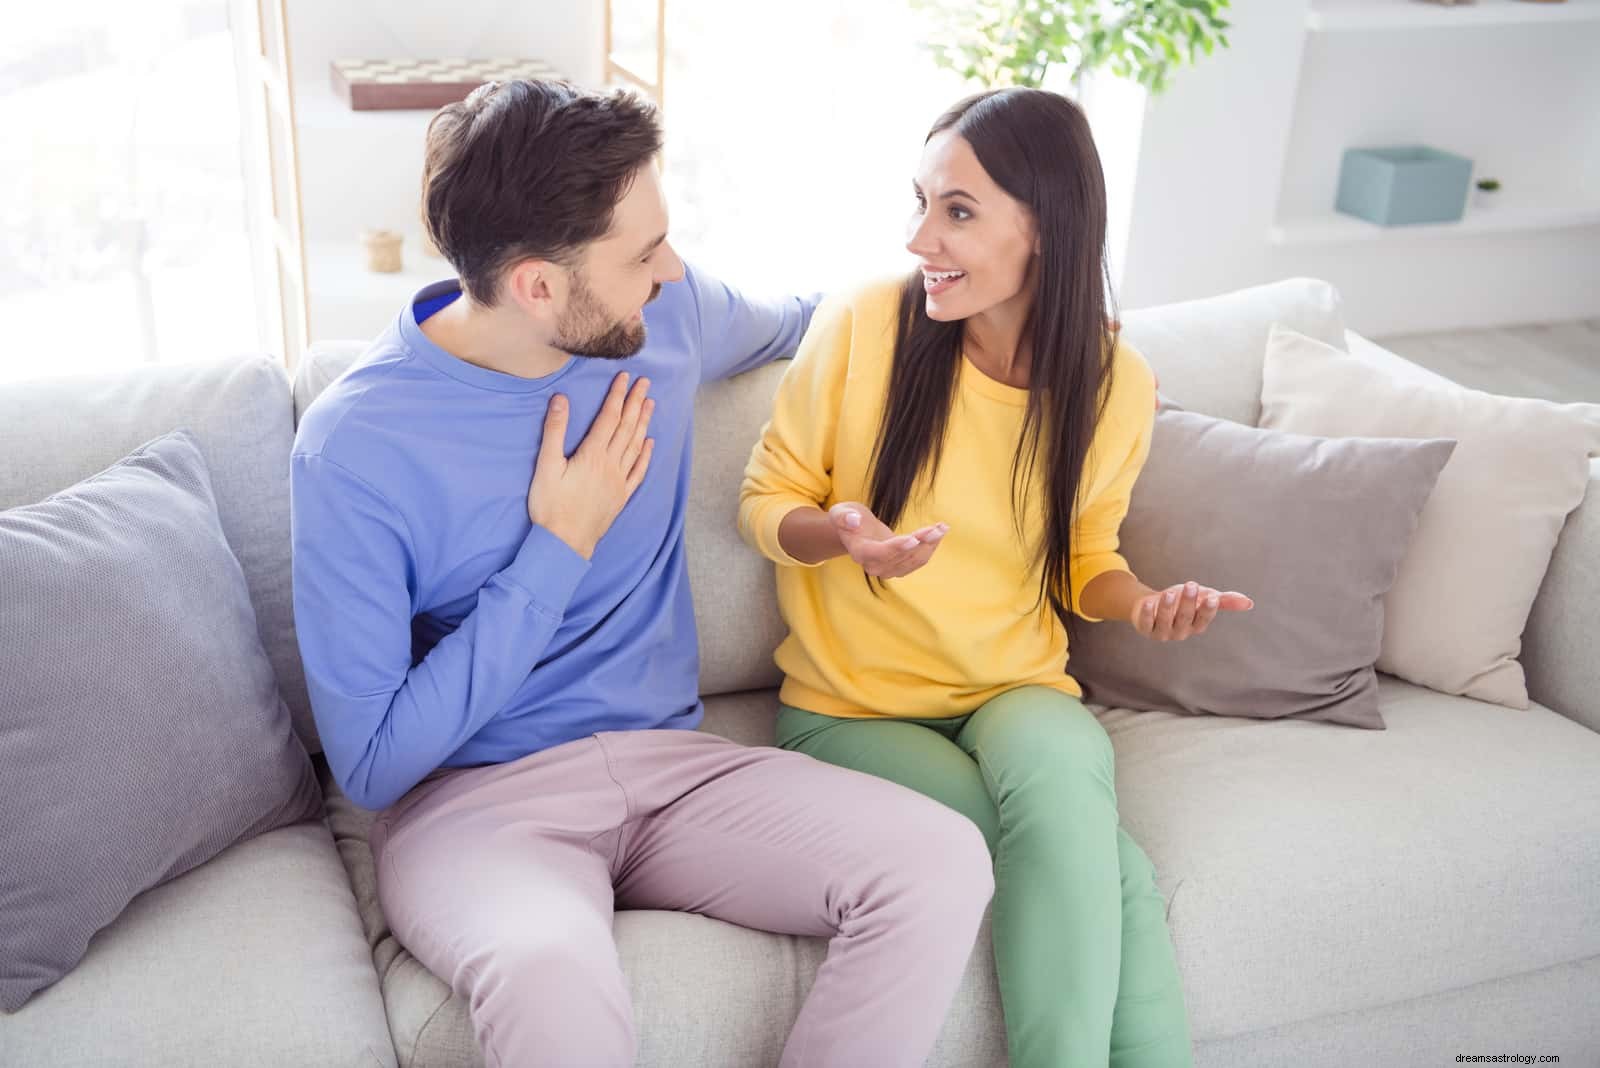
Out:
{"x": 125, "y": 235}
{"x": 792, "y": 134}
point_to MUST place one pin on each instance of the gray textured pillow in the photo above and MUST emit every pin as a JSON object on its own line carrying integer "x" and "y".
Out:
{"x": 1312, "y": 528}
{"x": 141, "y": 729}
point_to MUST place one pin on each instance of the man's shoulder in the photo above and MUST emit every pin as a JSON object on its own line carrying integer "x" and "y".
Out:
{"x": 334, "y": 423}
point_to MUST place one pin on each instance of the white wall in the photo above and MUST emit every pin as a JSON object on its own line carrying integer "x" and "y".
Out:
{"x": 1253, "y": 136}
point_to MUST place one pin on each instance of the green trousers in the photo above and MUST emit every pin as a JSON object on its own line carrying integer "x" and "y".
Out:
{"x": 1085, "y": 961}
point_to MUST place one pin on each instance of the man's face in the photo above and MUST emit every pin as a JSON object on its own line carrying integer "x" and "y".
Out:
{"x": 619, "y": 274}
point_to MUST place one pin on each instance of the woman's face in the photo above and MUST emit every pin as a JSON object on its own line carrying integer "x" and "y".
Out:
{"x": 974, "y": 243}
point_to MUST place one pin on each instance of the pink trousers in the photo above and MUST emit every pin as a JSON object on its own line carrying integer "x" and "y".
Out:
{"x": 502, "y": 881}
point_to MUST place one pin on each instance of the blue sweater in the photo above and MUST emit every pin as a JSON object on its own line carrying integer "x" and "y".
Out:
{"x": 438, "y": 626}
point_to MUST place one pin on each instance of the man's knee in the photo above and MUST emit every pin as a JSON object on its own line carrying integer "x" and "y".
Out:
{"x": 938, "y": 859}
{"x": 552, "y": 998}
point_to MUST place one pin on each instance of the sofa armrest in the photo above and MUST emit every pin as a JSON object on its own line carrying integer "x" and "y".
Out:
{"x": 1558, "y": 646}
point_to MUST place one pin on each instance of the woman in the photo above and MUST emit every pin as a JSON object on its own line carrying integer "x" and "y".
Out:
{"x": 987, "y": 410}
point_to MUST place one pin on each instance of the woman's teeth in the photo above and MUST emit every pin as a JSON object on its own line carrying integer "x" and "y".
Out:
{"x": 936, "y": 277}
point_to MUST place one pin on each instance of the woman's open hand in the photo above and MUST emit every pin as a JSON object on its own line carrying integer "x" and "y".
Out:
{"x": 880, "y": 551}
{"x": 1184, "y": 610}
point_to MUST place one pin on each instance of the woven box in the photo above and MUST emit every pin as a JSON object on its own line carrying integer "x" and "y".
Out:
{"x": 394, "y": 84}
{"x": 1403, "y": 185}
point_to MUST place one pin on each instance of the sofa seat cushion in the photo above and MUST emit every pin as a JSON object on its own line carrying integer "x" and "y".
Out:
{"x": 705, "y": 992}
{"x": 1314, "y": 870}
{"x": 255, "y": 958}
{"x": 1310, "y": 870}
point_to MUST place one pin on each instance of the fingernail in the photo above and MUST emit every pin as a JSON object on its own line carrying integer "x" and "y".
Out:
{"x": 1190, "y": 589}
{"x": 1168, "y": 597}
{"x": 644, "y": 382}
{"x": 558, "y": 402}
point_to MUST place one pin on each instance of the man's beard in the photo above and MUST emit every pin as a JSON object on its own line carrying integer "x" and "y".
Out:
{"x": 583, "y": 330}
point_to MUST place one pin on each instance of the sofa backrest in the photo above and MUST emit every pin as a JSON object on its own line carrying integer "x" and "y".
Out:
{"x": 56, "y": 432}
{"x": 1207, "y": 353}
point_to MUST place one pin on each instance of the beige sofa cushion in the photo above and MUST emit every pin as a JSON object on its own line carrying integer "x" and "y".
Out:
{"x": 705, "y": 993}
{"x": 1207, "y": 353}
{"x": 252, "y": 960}
{"x": 1313, "y": 870}
{"x": 1455, "y": 614}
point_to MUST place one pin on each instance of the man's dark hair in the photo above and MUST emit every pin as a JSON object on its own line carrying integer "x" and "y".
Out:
{"x": 529, "y": 170}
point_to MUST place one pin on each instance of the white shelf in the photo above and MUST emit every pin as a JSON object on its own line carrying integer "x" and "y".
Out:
{"x": 1527, "y": 212}
{"x": 318, "y": 107}
{"x": 1417, "y": 14}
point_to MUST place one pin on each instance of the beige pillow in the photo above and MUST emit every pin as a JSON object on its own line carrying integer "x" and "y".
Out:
{"x": 1455, "y": 614}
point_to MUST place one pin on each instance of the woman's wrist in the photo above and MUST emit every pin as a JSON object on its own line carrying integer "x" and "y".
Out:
{"x": 1113, "y": 595}
{"x": 808, "y": 534}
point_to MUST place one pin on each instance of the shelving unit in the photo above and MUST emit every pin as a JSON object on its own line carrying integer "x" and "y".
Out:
{"x": 1378, "y": 72}
{"x": 362, "y": 170}
{"x": 1415, "y": 14}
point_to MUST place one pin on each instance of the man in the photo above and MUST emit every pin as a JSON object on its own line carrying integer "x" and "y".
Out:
{"x": 494, "y": 615}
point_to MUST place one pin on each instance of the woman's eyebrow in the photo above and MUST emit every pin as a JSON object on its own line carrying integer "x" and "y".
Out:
{"x": 949, "y": 193}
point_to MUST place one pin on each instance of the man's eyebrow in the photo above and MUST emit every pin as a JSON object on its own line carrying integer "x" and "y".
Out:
{"x": 652, "y": 246}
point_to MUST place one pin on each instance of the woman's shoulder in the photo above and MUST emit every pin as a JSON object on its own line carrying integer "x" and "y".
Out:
{"x": 858, "y": 320}
{"x": 1133, "y": 384}
{"x": 877, "y": 299}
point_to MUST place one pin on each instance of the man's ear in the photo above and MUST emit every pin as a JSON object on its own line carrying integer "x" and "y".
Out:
{"x": 535, "y": 286}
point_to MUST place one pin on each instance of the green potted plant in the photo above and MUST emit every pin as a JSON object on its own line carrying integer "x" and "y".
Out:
{"x": 1017, "y": 42}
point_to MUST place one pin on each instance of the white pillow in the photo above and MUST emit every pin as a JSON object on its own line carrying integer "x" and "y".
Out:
{"x": 1455, "y": 614}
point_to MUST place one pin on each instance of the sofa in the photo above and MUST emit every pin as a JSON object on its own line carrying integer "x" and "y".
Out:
{"x": 1335, "y": 896}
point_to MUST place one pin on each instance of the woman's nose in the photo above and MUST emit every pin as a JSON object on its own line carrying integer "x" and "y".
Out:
{"x": 920, "y": 239}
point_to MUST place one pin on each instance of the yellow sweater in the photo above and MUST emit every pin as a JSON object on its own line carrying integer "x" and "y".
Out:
{"x": 966, "y": 626}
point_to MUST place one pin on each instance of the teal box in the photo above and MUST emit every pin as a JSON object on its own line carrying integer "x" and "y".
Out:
{"x": 1404, "y": 185}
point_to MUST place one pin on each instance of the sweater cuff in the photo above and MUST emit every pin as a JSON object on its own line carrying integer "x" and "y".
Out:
{"x": 765, "y": 519}
{"x": 546, "y": 570}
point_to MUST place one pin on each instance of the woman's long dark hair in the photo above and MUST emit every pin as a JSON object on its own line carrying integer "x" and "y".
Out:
{"x": 1036, "y": 146}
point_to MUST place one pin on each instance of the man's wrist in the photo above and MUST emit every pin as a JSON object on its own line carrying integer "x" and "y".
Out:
{"x": 576, "y": 542}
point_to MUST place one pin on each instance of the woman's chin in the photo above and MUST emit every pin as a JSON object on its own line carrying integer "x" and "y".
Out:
{"x": 940, "y": 311}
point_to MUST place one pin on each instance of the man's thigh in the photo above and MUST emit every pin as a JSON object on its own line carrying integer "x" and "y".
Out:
{"x": 767, "y": 838}
{"x": 500, "y": 859}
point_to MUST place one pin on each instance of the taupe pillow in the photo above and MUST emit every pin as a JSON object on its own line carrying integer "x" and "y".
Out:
{"x": 1467, "y": 584}
{"x": 1312, "y": 528}
{"x": 141, "y": 729}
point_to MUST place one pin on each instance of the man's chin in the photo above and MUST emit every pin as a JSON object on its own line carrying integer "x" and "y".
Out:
{"x": 619, "y": 344}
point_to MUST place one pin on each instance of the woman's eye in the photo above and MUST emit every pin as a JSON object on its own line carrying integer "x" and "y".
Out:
{"x": 922, "y": 202}
{"x": 959, "y": 214}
